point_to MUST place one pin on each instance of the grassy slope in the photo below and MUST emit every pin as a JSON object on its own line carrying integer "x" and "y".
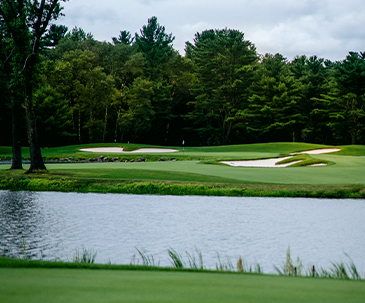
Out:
{"x": 83, "y": 285}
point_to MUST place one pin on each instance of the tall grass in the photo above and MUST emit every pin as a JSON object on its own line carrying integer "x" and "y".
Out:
{"x": 84, "y": 256}
{"x": 175, "y": 258}
{"x": 194, "y": 260}
{"x": 289, "y": 268}
{"x": 243, "y": 266}
{"x": 193, "y": 263}
{"x": 338, "y": 270}
{"x": 146, "y": 259}
{"x": 224, "y": 266}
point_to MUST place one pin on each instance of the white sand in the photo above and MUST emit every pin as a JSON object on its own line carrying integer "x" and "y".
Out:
{"x": 260, "y": 163}
{"x": 318, "y": 164}
{"x": 272, "y": 162}
{"x": 120, "y": 150}
{"x": 319, "y": 151}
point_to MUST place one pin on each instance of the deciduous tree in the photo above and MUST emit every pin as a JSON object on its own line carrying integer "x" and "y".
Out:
{"x": 26, "y": 23}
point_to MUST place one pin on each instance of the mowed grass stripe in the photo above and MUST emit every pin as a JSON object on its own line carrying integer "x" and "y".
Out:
{"x": 104, "y": 286}
{"x": 145, "y": 175}
{"x": 346, "y": 170}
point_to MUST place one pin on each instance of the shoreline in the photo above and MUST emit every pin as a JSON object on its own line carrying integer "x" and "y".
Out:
{"x": 180, "y": 189}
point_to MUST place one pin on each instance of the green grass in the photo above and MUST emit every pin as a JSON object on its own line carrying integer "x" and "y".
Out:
{"x": 86, "y": 285}
{"x": 224, "y": 152}
{"x": 343, "y": 177}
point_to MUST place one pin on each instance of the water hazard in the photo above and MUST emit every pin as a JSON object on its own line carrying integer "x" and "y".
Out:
{"x": 55, "y": 225}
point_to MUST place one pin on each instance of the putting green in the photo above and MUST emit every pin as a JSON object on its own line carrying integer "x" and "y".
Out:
{"x": 82, "y": 285}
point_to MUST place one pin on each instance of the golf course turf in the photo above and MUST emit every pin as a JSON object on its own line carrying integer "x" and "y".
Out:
{"x": 63, "y": 284}
{"x": 198, "y": 166}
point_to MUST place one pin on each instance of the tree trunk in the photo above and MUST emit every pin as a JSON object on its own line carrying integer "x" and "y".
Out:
{"x": 353, "y": 136}
{"x": 79, "y": 127}
{"x": 116, "y": 126}
{"x": 91, "y": 133}
{"x": 17, "y": 147}
{"x": 106, "y": 123}
{"x": 36, "y": 161}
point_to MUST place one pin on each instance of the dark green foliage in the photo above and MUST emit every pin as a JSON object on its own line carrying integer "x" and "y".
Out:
{"x": 78, "y": 34}
{"x": 273, "y": 112}
{"x": 314, "y": 74}
{"x": 140, "y": 114}
{"x": 124, "y": 38}
{"x": 55, "y": 34}
{"x": 347, "y": 108}
{"x": 224, "y": 64}
{"x": 155, "y": 45}
{"x": 53, "y": 117}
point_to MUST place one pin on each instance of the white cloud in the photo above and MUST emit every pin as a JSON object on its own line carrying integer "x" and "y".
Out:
{"x": 327, "y": 28}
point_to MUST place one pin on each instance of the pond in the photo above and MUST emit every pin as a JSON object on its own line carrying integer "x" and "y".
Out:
{"x": 53, "y": 225}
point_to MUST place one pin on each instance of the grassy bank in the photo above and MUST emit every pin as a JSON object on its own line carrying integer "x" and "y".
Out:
{"x": 248, "y": 190}
{"x": 343, "y": 177}
{"x": 34, "y": 281}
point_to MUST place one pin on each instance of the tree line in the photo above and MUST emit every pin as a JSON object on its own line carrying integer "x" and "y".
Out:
{"x": 139, "y": 89}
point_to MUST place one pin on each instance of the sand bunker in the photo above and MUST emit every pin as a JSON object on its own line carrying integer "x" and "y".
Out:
{"x": 272, "y": 162}
{"x": 318, "y": 151}
{"x": 117, "y": 150}
{"x": 260, "y": 163}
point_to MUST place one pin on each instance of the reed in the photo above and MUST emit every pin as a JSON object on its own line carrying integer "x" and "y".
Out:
{"x": 143, "y": 260}
{"x": 85, "y": 256}
{"x": 224, "y": 266}
{"x": 192, "y": 260}
{"x": 175, "y": 258}
{"x": 289, "y": 268}
{"x": 147, "y": 260}
{"x": 338, "y": 270}
{"x": 243, "y": 266}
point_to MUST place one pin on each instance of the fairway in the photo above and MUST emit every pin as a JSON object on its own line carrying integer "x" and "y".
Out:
{"x": 201, "y": 165}
{"x": 347, "y": 170}
{"x": 18, "y": 285}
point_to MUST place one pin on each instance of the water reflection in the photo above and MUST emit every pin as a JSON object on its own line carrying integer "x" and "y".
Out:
{"x": 19, "y": 223}
{"x": 259, "y": 229}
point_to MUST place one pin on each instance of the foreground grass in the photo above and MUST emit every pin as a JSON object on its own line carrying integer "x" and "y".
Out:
{"x": 93, "y": 283}
{"x": 342, "y": 178}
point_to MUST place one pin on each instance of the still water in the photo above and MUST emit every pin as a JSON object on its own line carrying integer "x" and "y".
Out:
{"x": 54, "y": 225}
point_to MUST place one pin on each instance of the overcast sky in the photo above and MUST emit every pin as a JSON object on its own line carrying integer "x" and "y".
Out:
{"x": 326, "y": 28}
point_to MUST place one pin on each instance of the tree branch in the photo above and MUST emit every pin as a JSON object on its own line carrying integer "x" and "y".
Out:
{"x": 49, "y": 16}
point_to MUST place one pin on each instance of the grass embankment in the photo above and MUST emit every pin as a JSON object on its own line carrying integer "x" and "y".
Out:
{"x": 343, "y": 178}
{"x": 35, "y": 281}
